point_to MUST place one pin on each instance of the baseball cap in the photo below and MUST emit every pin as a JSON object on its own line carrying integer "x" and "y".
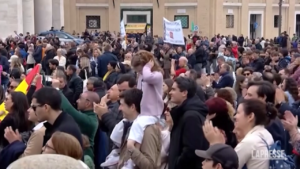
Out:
{"x": 221, "y": 153}
{"x": 13, "y": 57}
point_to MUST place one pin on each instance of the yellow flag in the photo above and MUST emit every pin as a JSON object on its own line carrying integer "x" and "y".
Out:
{"x": 21, "y": 88}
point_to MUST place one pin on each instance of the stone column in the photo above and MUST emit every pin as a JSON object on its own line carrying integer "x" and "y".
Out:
{"x": 114, "y": 11}
{"x": 245, "y": 30}
{"x": 43, "y": 15}
{"x": 157, "y": 15}
{"x": 217, "y": 20}
{"x": 203, "y": 17}
{"x": 56, "y": 19}
{"x": 28, "y": 16}
{"x": 269, "y": 21}
{"x": 291, "y": 20}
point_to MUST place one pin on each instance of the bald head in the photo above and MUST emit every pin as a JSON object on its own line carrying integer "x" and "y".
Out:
{"x": 190, "y": 51}
{"x": 92, "y": 96}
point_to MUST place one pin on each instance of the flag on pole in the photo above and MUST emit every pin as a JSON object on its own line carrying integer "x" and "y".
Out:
{"x": 24, "y": 85}
{"x": 192, "y": 27}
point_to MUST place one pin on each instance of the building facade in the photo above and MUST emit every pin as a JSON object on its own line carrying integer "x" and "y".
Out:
{"x": 253, "y": 18}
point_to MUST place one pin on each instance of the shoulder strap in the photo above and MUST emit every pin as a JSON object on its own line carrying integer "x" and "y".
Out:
{"x": 85, "y": 74}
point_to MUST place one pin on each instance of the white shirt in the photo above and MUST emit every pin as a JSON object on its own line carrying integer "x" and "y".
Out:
{"x": 61, "y": 61}
{"x": 254, "y": 141}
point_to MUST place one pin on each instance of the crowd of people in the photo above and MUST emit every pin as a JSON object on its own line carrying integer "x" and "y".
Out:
{"x": 133, "y": 103}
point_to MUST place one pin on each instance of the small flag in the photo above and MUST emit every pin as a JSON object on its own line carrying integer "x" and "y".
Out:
{"x": 23, "y": 86}
{"x": 192, "y": 27}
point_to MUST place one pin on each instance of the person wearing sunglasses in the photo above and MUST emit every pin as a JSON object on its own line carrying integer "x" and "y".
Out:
{"x": 247, "y": 72}
{"x": 13, "y": 85}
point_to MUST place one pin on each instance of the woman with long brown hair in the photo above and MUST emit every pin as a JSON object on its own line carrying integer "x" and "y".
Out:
{"x": 64, "y": 144}
{"x": 150, "y": 81}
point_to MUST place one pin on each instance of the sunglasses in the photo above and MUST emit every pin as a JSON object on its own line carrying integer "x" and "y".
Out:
{"x": 12, "y": 87}
{"x": 35, "y": 106}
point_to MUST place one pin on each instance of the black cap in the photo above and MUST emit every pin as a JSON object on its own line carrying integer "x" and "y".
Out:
{"x": 221, "y": 153}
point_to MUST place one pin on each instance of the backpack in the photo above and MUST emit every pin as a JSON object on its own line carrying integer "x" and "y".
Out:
{"x": 287, "y": 163}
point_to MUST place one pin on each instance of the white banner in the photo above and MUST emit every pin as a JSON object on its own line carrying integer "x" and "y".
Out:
{"x": 173, "y": 32}
{"x": 122, "y": 29}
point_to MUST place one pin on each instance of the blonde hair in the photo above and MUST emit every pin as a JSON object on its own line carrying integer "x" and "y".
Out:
{"x": 66, "y": 144}
{"x": 85, "y": 62}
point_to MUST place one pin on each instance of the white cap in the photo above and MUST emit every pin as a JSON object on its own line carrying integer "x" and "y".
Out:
{"x": 13, "y": 57}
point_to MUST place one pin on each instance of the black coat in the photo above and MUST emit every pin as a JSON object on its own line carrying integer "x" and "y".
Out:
{"x": 68, "y": 93}
{"x": 75, "y": 83}
{"x": 63, "y": 123}
{"x": 111, "y": 79}
{"x": 187, "y": 134}
{"x": 103, "y": 61}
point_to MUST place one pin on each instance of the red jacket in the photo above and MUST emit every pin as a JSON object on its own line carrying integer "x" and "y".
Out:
{"x": 188, "y": 46}
{"x": 235, "y": 52}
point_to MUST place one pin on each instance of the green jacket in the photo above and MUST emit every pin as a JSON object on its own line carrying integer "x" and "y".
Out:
{"x": 87, "y": 121}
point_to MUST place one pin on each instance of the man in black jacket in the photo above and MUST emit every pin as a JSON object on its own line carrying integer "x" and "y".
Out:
{"x": 75, "y": 83}
{"x": 68, "y": 93}
{"x": 188, "y": 119}
{"x": 201, "y": 57}
{"x": 104, "y": 59}
{"x": 46, "y": 105}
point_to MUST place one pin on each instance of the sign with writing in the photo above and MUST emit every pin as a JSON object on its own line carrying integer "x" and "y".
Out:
{"x": 136, "y": 26}
{"x": 173, "y": 32}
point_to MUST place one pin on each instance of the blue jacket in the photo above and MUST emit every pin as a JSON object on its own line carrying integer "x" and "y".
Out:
{"x": 103, "y": 61}
{"x": 37, "y": 54}
{"x": 225, "y": 81}
{"x": 11, "y": 153}
{"x": 5, "y": 66}
{"x": 23, "y": 53}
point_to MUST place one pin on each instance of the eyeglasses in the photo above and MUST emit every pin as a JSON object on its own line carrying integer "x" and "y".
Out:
{"x": 47, "y": 146}
{"x": 35, "y": 106}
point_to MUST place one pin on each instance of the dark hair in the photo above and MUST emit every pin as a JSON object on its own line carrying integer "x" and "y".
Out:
{"x": 237, "y": 87}
{"x": 132, "y": 97}
{"x": 194, "y": 75}
{"x": 49, "y": 96}
{"x": 268, "y": 76}
{"x": 186, "y": 84}
{"x": 113, "y": 64}
{"x": 277, "y": 78}
{"x": 265, "y": 89}
{"x": 15, "y": 73}
{"x": 284, "y": 52}
{"x": 54, "y": 62}
{"x": 19, "y": 111}
{"x": 60, "y": 68}
{"x": 127, "y": 78}
{"x": 226, "y": 95}
{"x": 263, "y": 112}
{"x": 250, "y": 69}
{"x": 72, "y": 67}
{"x": 97, "y": 82}
{"x": 291, "y": 87}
